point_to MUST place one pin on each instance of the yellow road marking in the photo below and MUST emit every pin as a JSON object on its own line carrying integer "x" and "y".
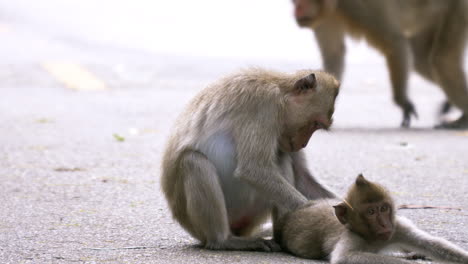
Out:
{"x": 74, "y": 76}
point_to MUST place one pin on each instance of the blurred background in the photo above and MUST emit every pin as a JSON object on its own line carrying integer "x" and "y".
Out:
{"x": 167, "y": 44}
{"x": 89, "y": 90}
{"x": 241, "y": 29}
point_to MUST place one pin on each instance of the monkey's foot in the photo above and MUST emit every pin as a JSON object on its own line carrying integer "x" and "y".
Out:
{"x": 246, "y": 244}
{"x": 408, "y": 111}
{"x": 445, "y": 108}
{"x": 461, "y": 123}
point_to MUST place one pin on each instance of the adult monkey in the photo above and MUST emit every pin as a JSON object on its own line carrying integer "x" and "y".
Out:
{"x": 433, "y": 31}
{"x": 234, "y": 154}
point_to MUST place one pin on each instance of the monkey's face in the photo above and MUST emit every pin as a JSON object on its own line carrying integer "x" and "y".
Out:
{"x": 378, "y": 218}
{"x": 371, "y": 221}
{"x": 368, "y": 210}
{"x": 297, "y": 138}
{"x": 309, "y": 13}
{"x": 309, "y": 107}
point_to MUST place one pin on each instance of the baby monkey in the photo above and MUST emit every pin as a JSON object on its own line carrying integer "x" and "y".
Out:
{"x": 356, "y": 229}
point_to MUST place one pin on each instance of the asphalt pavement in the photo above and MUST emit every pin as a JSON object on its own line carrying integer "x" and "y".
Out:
{"x": 79, "y": 168}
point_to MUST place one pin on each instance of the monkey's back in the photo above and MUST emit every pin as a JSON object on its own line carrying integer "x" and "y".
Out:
{"x": 313, "y": 231}
{"x": 238, "y": 98}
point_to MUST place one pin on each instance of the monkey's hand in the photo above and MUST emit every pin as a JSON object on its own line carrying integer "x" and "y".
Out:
{"x": 272, "y": 245}
{"x": 415, "y": 256}
{"x": 408, "y": 110}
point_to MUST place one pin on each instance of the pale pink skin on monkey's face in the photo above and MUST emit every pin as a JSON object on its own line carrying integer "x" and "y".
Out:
{"x": 378, "y": 216}
{"x": 300, "y": 139}
{"x": 309, "y": 107}
{"x": 307, "y": 13}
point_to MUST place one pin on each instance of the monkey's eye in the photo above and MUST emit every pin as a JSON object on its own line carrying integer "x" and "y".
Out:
{"x": 303, "y": 87}
{"x": 370, "y": 211}
{"x": 384, "y": 208}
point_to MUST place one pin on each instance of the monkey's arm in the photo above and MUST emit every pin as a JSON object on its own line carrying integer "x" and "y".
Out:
{"x": 268, "y": 181}
{"x": 305, "y": 182}
{"x": 331, "y": 41}
{"x": 417, "y": 240}
{"x": 257, "y": 163}
{"x": 351, "y": 249}
{"x": 396, "y": 55}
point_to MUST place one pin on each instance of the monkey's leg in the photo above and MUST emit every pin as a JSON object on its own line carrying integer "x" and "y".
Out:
{"x": 412, "y": 238}
{"x": 206, "y": 209}
{"x": 253, "y": 228}
{"x": 447, "y": 59}
{"x": 331, "y": 41}
{"x": 396, "y": 54}
{"x": 421, "y": 46}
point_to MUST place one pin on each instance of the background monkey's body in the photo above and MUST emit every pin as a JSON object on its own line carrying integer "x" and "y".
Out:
{"x": 431, "y": 34}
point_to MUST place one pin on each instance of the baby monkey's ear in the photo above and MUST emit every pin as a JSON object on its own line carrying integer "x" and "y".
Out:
{"x": 361, "y": 181}
{"x": 341, "y": 212}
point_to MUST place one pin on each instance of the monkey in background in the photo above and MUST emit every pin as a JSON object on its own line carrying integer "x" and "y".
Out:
{"x": 234, "y": 155}
{"x": 355, "y": 230}
{"x": 434, "y": 33}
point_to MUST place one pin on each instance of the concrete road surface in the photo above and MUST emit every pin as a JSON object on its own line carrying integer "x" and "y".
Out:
{"x": 83, "y": 126}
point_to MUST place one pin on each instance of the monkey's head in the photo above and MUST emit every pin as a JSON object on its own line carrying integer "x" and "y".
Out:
{"x": 368, "y": 210}
{"x": 309, "y": 13}
{"x": 309, "y": 105}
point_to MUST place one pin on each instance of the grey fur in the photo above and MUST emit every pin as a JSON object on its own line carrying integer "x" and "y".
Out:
{"x": 223, "y": 169}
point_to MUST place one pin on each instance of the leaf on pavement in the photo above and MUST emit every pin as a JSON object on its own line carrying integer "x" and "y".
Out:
{"x": 119, "y": 138}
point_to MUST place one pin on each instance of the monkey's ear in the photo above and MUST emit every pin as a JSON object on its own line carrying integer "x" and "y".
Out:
{"x": 306, "y": 83}
{"x": 341, "y": 212}
{"x": 361, "y": 181}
